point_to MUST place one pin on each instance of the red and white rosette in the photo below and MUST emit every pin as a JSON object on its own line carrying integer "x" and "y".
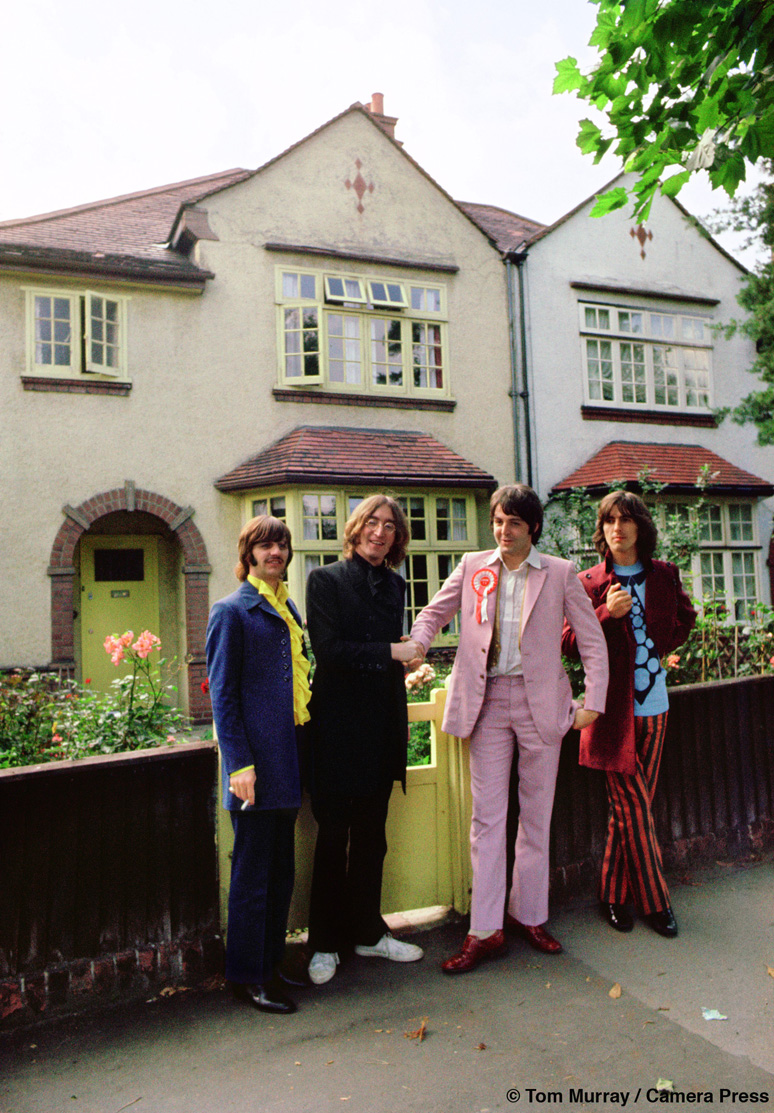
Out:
{"x": 484, "y": 582}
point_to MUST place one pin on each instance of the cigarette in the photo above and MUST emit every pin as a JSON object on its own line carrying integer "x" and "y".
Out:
{"x": 245, "y": 805}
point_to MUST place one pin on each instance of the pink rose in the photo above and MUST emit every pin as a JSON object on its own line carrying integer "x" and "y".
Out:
{"x": 146, "y": 643}
{"x": 673, "y": 660}
{"x": 126, "y": 638}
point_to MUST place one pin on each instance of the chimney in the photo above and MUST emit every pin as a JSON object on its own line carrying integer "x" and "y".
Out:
{"x": 387, "y": 123}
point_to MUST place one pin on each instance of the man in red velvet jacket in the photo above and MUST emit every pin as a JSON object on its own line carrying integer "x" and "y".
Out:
{"x": 644, "y": 614}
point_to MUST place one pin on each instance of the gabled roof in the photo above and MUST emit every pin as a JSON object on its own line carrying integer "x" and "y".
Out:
{"x": 332, "y": 454}
{"x": 677, "y": 465}
{"x": 134, "y": 227}
{"x": 546, "y": 230}
{"x": 130, "y": 235}
{"x": 510, "y": 231}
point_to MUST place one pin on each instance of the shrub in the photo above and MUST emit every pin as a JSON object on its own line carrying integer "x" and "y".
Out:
{"x": 44, "y": 718}
{"x": 419, "y": 685}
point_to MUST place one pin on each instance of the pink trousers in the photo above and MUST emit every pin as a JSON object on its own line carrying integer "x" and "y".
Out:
{"x": 505, "y": 722}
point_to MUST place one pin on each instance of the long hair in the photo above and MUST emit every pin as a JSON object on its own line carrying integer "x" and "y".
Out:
{"x": 358, "y": 519}
{"x": 631, "y": 506}
{"x": 518, "y": 498}
{"x": 262, "y": 528}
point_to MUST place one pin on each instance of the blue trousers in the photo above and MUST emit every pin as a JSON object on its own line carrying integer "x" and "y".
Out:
{"x": 262, "y": 872}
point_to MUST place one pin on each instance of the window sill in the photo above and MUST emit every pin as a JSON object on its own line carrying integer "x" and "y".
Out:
{"x": 369, "y": 401}
{"x": 44, "y": 383}
{"x": 648, "y": 417}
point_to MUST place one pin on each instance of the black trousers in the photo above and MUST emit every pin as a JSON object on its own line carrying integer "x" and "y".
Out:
{"x": 346, "y": 897}
{"x": 262, "y": 872}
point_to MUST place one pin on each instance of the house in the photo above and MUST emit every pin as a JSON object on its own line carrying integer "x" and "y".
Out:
{"x": 621, "y": 368}
{"x": 333, "y": 324}
{"x": 289, "y": 339}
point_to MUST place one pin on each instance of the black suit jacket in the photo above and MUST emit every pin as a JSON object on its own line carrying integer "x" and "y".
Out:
{"x": 359, "y": 725}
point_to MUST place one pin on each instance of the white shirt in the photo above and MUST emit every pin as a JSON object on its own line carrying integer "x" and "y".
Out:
{"x": 511, "y": 608}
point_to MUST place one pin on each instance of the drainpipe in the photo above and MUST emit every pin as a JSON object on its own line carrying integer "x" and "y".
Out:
{"x": 519, "y": 378}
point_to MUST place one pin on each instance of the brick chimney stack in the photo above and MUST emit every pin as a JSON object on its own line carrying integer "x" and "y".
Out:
{"x": 387, "y": 123}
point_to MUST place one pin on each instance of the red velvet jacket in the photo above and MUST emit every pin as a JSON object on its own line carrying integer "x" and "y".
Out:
{"x": 669, "y": 617}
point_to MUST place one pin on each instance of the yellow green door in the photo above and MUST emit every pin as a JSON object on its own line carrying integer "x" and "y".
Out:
{"x": 119, "y": 592}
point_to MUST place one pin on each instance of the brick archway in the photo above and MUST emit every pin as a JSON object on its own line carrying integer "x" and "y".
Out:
{"x": 196, "y": 569}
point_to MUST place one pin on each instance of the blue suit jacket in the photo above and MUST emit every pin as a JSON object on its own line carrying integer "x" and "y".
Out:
{"x": 250, "y": 667}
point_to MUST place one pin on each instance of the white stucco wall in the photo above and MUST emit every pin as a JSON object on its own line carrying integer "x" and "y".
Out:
{"x": 679, "y": 260}
{"x": 203, "y": 367}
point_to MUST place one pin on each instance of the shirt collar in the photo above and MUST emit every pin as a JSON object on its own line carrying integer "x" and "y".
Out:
{"x": 532, "y": 558}
{"x": 279, "y": 596}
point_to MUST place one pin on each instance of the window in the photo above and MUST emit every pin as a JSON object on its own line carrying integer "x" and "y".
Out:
{"x": 645, "y": 358}
{"x": 726, "y": 568}
{"x": 443, "y": 528}
{"x": 362, "y": 335}
{"x": 274, "y": 506}
{"x": 74, "y": 335}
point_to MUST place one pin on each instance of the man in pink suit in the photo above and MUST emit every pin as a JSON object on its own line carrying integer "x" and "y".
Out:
{"x": 508, "y": 688}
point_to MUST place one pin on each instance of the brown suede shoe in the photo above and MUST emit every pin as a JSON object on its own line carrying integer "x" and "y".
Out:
{"x": 474, "y": 951}
{"x": 537, "y": 937}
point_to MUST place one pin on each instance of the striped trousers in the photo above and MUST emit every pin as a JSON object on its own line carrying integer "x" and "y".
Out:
{"x": 632, "y": 866}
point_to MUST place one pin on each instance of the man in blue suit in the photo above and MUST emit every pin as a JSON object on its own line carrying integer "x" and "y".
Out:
{"x": 259, "y": 686}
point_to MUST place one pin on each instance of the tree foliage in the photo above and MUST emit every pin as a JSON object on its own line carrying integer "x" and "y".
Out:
{"x": 754, "y": 214}
{"x": 685, "y": 85}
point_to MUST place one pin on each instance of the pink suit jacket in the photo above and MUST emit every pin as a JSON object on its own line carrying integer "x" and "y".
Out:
{"x": 552, "y": 594}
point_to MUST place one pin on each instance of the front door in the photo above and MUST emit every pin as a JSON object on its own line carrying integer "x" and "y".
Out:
{"x": 119, "y": 592}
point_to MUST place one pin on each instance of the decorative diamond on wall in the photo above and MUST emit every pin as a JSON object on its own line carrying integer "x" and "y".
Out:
{"x": 639, "y": 233}
{"x": 360, "y": 186}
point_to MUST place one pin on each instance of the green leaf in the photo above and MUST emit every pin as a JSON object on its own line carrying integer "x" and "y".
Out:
{"x": 609, "y": 201}
{"x": 672, "y": 186}
{"x": 588, "y": 136}
{"x": 568, "y": 76}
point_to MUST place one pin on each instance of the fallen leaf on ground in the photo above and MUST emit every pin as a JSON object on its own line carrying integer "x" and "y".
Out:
{"x": 665, "y": 1084}
{"x": 480, "y": 1047}
{"x": 712, "y": 1014}
{"x": 771, "y": 971}
{"x": 419, "y": 1034}
{"x": 615, "y": 991}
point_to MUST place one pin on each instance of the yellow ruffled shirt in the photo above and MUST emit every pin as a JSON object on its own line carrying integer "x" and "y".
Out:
{"x": 301, "y": 691}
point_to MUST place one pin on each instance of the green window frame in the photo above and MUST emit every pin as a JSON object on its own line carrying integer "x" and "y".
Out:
{"x": 361, "y": 334}
{"x": 76, "y": 334}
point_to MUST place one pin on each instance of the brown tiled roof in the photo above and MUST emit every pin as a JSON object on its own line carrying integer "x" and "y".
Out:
{"x": 331, "y": 454}
{"x": 677, "y": 465}
{"x": 135, "y": 226}
{"x": 509, "y": 230}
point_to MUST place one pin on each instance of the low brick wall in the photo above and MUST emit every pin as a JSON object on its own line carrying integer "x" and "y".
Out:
{"x": 109, "y": 880}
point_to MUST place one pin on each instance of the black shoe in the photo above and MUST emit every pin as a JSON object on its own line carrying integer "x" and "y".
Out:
{"x": 662, "y": 922}
{"x": 266, "y": 999}
{"x": 617, "y": 915}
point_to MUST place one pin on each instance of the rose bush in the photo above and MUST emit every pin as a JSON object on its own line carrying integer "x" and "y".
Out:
{"x": 44, "y": 718}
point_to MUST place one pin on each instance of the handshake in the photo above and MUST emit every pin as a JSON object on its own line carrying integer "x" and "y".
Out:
{"x": 408, "y": 652}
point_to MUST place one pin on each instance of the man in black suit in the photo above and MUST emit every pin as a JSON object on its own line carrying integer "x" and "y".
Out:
{"x": 359, "y": 733}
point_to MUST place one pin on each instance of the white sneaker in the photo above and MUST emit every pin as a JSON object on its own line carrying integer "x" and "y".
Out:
{"x": 393, "y": 949}
{"x": 322, "y": 966}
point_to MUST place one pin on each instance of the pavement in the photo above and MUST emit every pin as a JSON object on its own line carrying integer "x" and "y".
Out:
{"x": 523, "y": 1032}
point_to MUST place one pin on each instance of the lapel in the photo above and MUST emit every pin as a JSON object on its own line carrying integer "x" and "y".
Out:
{"x": 536, "y": 577}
